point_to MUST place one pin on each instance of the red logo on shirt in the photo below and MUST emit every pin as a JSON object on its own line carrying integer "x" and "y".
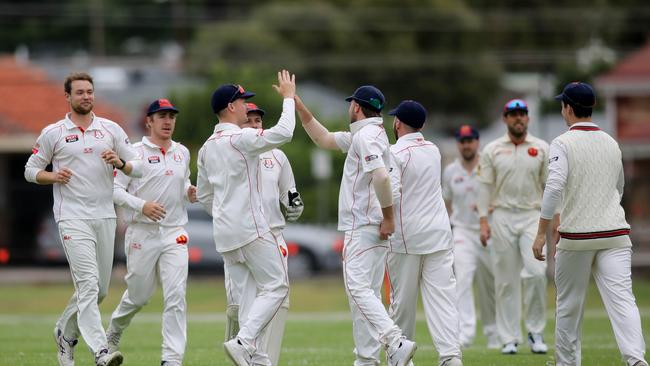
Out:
{"x": 136, "y": 246}
{"x": 35, "y": 148}
{"x": 67, "y": 237}
{"x": 283, "y": 251}
{"x": 88, "y": 150}
{"x": 182, "y": 239}
{"x": 154, "y": 159}
{"x": 268, "y": 163}
{"x": 169, "y": 172}
{"x": 99, "y": 135}
{"x": 532, "y": 151}
{"x": 370, "y": 158}
{"x": 178, "y": 158}
{"x": 71, "y": 138}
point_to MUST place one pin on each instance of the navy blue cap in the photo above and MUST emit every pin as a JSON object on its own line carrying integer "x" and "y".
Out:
{"x": 578, "y": 94}
{"x": 515, "y": 105}
{"x": 160, "y": 105}
{"x": 228, "y": 93}
{"x": 410, "y": 112}
{"x": 253, "y": 108}
{"x": 467, "y": 132}
{"x": 369, "y": 97}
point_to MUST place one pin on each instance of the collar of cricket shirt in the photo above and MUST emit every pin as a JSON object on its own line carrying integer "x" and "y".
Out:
{"x": 147, "y": 142}
{"x": 225, "y": 126}
{"x": 356, "y": 126}
{"x": 94, "y": 124}
{"x": 587, "y": 126}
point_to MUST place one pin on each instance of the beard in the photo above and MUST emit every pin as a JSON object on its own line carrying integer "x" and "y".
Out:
{"x": 516, "y": 133}
{"x": 80, "y": 109}
{"x": 468, "y": 155}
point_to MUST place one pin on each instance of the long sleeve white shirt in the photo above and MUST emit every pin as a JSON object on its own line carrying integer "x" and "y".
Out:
{"x": 89, "y": 194}
{"x": 460, "y": 187}
{"x": 228, "y": 183}
{"x": 367, "y": 149}
{"x": 421, "y": 219}
{"x": 165, "y": 180}
{"x": 277, "y": 180}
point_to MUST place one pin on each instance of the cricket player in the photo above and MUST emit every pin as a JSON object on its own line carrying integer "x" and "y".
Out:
{"x": 512, "y": 173}
{"x": 228, "y": 188}
{"x": 155, "y": 241}
{"x": 471, "y": 259}
{"x": 586, "y": 176}
{"x": 421, "y": 255}
{"x": 278, "y": 188}
{"x": 83, "y": 150}
{"x": 366, "y": 217}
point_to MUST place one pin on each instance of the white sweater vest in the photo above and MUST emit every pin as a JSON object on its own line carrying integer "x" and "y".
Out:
{"x": 591, "y": 200}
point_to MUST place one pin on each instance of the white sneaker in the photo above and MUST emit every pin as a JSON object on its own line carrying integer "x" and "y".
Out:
{"x": 106, "y": 358}
{"x": 509, "y": 348}
{"x": 113, "y": 339}
{"x": 237, "y": 353}
{"x": 402, "y": 354}
{"x": 454, "y": 361}
{"x": 536, "y": 342}
{"x": 65, "y": 348}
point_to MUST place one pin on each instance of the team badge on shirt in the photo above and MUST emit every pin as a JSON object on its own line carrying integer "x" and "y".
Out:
{"x": 71, "y": 138}
{"x": 370, "y": 158}
{"x": 182, "y": 239}
{"x": 99, "y": 134}
{"x": 154, "y": 159}
{"x": 178, "y": 158}
{"x": 268, "y": 163}
{"x": 532, "y": 152}
{"x": 35, "y": 148}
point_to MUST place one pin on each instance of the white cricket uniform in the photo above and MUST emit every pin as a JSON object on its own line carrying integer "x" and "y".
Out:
{"x": 515, "y": 175}
{"x": 156, "y": 250}
{"x": 277, "y": 179}
{"x": 84, "y": 211}
{"x": 586, "y": 173}
{"x": 364, "y": 253}
{"x": 228, "y": 186}
{"x": 471, "y": 259}
{"x": 421, "y": 254}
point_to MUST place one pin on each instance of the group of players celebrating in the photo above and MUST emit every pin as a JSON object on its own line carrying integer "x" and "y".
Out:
{"x": 485, "y": 217}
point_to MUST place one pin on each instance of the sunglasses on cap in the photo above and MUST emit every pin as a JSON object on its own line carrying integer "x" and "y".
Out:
{"x": 239, "y": 90}
{"x": 515, "y": 104}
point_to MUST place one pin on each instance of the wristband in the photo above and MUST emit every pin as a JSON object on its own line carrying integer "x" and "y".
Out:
{"x": 123, "y": 164}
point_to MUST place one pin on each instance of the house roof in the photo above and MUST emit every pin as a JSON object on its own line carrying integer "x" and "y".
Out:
{"x": 31, "y": 101}
{"x": 633, "y": 69}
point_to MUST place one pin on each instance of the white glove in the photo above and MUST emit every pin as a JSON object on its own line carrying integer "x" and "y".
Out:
{"x": 295, "y": 208}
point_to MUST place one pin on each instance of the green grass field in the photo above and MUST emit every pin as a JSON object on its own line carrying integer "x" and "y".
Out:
{"x": 318, "y": 331}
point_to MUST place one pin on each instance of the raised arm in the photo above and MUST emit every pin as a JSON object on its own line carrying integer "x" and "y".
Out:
{"x": 316, "y": 131}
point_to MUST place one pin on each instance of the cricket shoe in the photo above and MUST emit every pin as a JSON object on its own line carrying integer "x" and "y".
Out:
{"x": 65, "y": 353}
{"x": 536, "y": 342}
{"x": 509, "y": 348}
{"x": 237, "y": 353}
{"x": 113, "y": 339}
{"x": 107, "y": 358}
{"x": 402, "y": 353}
{"x": 453, "y": 361}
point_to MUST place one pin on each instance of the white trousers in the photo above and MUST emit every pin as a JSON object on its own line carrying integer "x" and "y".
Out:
{"x": 513, "y": 233}
{"x": 611, "y": 269}
{"x": 364, "y": 256}
{"x": 155, "y": 253}
{"x": 433, "y": 275}
{"x": 271, "y": 342}
{"x": 263, "y": 262}
{"x": 473, "y": 261}
{"x": 88, "y": 246}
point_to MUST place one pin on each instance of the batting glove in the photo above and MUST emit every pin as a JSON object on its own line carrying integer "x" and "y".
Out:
{"x": 295, "y": 208}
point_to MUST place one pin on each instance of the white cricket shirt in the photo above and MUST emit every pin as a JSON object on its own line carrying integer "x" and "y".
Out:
{"x": 165, "y": 179}
{"x": 277, "y": 180}
{"x": 228, "y": 183}
{"x": 421, "y": 219}
{"x": 460, "y": 187}
{"x": 89, "y": 194}
{"x": 517, "y": 173}
{"x": 367, "y": 149}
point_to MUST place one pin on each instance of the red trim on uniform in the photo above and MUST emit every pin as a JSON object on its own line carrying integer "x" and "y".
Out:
{"x": 584, "y": 128}
{"x": 401, "y": 204}
{"x": 595, "y": 235}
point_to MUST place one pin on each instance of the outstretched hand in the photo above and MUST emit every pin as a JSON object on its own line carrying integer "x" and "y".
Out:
{"x": 286, "y": 84}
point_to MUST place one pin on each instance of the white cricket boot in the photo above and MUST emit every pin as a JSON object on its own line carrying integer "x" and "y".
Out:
{"x": 402, "y": 353}
{"x": 106, "y": 358}
{"x": 237, "y": 353}
{"x": 65, "y": 348}
{"x": 113, "y": 339}
{"x": 536, "y": 342}
{"x": 509, "y": 348}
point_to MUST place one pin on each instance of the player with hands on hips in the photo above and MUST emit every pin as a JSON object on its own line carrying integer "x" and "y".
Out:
{"x": 421, "y": 253}
{"x": 83, "y": 149}
{"x": 278, "y": 191}
{"x": 366, "y": 216}
{"x": 156, "y": 241}
{"x": 472, "y": 260}
{"x": 512, "y": 172}
{"x": 227, "y": 187}
{"x": 586, "y": 180}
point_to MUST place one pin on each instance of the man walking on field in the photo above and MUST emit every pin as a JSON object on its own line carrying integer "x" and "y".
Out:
{"x": 586, "y": 176}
